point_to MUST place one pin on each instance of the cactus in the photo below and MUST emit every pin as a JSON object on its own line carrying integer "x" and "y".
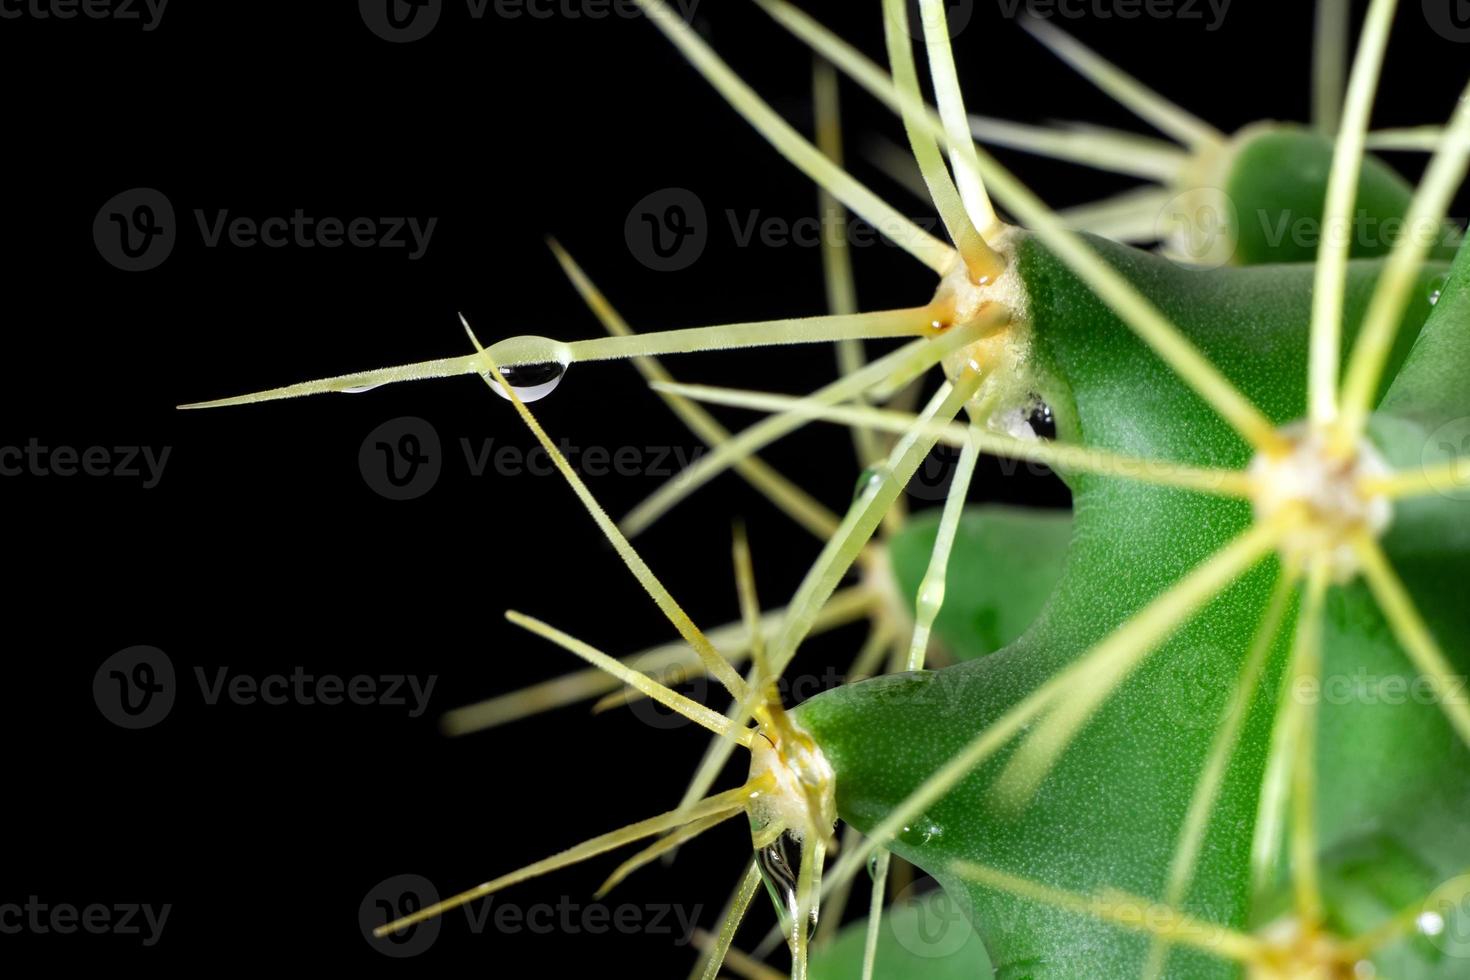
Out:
{"x": 1136, "y": 764}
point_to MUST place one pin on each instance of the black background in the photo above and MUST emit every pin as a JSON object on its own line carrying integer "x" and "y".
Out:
{"x": 263, "y": 549}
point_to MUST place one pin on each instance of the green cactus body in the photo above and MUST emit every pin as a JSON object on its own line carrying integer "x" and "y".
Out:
{"x": 1109, "y": 813}
{"x": 1276, "y": 184}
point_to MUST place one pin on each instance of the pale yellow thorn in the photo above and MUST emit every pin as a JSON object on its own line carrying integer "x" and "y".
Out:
{"x": 858, "y": 526}
{"x": 673, "y": 700}
{"x": 738, "y": 797}
{"x": 951, "y": 102}
{"x": 1422, "y": 228}
{"x": 1111, "y": 150}
{"x": 980, "y": 259}
{"x": 836, "y": 905}
{"x": 1230, "y": 483}
{"x": 906, "y": 363}
{"x": 930, "y": 598}
{"x": 1412, "y": 139}
{"x": 1131, "y": 306}
{"x": 659, "y": 847}
{"x": 1132, "y": 94}
{"x": 1441, "y": 478}
{"x": 1207, "y": 787}
{"x": 796, "y": 502}
{"x": 808, "y": 890}
{"x": 846, "y": 606}
{"x": 741, "y": 964}
{"x": 526, "y": 349}
{"x": 709, "y": 966}
{"x": 926, "y": 248}
{"x": 1329, "y": 64}
{"x": 1413, "y": 634}
{"x": 1131, "y": 217}
{"x": 837, "y": 273}
{"x": 1121, "y": 909}
{"x": 875, "y": 913}
{"x": 716, "y": 664}
{"x": 901, "y": 94}
{"x": 1306, "y": 674}
{"x": 1337, "y": 216}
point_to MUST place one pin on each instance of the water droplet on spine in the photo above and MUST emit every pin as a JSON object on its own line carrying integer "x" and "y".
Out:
{"x": 781, "y": 880}
{"x": 531, "y": 382}
{"x": 867, "y": 480}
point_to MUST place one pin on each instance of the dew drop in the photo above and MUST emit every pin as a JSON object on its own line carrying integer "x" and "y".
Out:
{"x": 531, "y": 382}
{"x": 781, "y": 880}
{"x": 922, "y": 831}
{"x": 1041, "y": 420}
{"x": 873, "y": 865}
{"x": 867, "y": 481}
{"x": 359, "y": 389}
{"x": 1436, "y": 288}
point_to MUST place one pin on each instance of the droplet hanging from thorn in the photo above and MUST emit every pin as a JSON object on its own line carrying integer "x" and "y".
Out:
{"x": 780, "y": 880}
{"x": 531, "y": 382}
